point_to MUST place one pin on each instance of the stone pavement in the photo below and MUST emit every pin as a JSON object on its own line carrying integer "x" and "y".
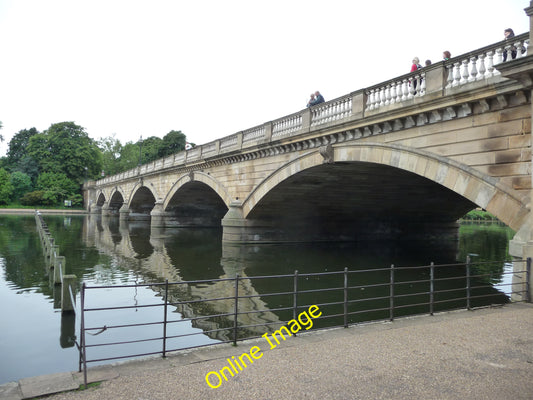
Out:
{"x": 481, "y": 354}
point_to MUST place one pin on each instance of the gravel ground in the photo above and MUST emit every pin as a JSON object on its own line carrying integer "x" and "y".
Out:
{"x": 484, "y": 354}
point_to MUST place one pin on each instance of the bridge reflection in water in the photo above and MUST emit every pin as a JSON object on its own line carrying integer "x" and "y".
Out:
{"x": 181, "y": 254}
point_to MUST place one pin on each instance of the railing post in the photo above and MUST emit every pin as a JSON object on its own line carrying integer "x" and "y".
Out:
{"x": 236, "y": 312}
{"x": 431, "y": 287}
{"x": 468, "y": 282}
{"x": 528, "y": 280}
{"x": 295, "y": 297}
{"x": 83, "y": 349}
{"x": 165, "y": 320}
{"x": 346, "y": 297}
{"x": 391, "y": 293}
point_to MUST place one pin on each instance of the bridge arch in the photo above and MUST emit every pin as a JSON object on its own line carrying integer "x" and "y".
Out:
{"x": 202, "y": 177}
{"x": 479, "y": 189}
{"x": 196, "y": 199}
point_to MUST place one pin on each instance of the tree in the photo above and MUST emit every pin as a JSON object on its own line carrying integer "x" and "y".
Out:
{"x": 6, "y": 188}
{"x": 56, "y": 187}
{"x": 66, "y": 148}
{"x": 111, "y": 149}
{"x": 21, "y": 184}
{"x": 18, "y": 146}
{"x": 173, "y": 142}
{"x": 150, "y": 149}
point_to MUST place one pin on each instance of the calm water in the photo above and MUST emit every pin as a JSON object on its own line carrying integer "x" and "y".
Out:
{"x": 36, "y": 340}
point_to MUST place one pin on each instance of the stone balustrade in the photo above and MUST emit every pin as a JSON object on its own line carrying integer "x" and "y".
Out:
{"x": 439, "y": 79}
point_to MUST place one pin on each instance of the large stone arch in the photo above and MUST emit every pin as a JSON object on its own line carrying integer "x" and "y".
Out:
{"x": 485, "y": 191}
{"x": 207, "y": 179}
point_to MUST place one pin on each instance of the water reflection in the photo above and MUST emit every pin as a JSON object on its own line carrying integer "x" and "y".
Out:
{"x": 109, "y": 251}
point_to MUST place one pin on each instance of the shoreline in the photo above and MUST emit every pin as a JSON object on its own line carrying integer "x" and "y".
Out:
{"x": 42, "y": 211}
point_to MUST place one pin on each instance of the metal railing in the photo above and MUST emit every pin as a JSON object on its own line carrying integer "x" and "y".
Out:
{"x": 388, "y": 293}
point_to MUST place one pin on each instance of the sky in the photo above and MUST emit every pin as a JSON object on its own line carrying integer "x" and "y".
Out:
{"x": 211, "y": 68}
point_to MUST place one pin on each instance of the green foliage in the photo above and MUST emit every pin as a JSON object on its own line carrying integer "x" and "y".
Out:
{"x": 173, "y": 142}
{"x": 66, "y": 148}
{"x": 18, "y": 146}
{"x": 58, "y": 183}
{"x": 6, "y": 188}
{"x": 111, "y": 149}
{"x": 21, "y": 184}
{"x": 479, "y": 215}
{"x": 150, "y": 149}
{"x": 33, "y": 198}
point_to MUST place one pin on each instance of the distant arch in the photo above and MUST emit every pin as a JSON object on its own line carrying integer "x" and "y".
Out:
{"x": 207, "y": 179}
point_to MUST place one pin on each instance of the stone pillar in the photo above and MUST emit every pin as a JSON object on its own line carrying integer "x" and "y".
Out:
{"x": 233, "y": 223}
{"x": 105, "y": 208}
{"x": 124, "y": 211}
{"x": 158, "y": 215}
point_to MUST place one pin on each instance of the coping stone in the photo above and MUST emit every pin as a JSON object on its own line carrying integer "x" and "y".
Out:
{"x": 10, "y": 391}
{"x": 47, "y": 384}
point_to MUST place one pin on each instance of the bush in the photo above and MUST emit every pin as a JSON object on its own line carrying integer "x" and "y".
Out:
{"x": 33, "y": 198}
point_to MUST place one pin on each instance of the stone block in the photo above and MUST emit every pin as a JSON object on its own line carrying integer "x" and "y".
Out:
{"x": 505, "y": 129}
{"x": 508, "y": 156}
{"x": 520, "y": 141}
{"x": 10, "y": 391}
{"x": 47, "y": 384}
{"x": 461, "y": 183}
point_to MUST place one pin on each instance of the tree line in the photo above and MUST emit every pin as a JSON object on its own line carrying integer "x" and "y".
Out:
{"x": 46, "y": 168}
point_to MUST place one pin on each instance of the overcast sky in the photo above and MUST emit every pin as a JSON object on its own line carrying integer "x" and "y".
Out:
{"x": 212, "y": 68}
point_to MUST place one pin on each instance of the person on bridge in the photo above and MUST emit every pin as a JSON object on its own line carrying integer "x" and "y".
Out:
{"x": 416, "y": 64}
{"x": 446, "y": 55}
{"x": 509, "y": 34}
{"x": 311, "y": 100}
{"x": 318, "y": 98}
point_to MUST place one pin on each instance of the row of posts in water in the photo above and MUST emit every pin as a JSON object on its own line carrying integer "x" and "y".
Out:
{"x": 55, "y": 266}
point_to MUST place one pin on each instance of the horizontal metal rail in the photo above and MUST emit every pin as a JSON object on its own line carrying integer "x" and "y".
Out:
{"x": 340, "y": 299}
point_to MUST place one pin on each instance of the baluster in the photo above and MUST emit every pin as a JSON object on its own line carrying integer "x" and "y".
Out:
{"x": 464, "y": 73}
{"x": 490, "y": 65}
{"x": 381, "y": 97}
{"x": 393, "y": 93}
{"x": 405, "y": 89}
{"x": 482, "y": 69}
{"x": 411, "y": 91}
{"x": 499, "y": 56}
{"x": 370, "y": 99}
{"x": 456, "y": 73}
{"x": 473, "y": 70}
{"x": 399, "y": 91}
{"x": 450, "y": 75}
{"x": 422, "y": 84}
{"x": 518, "y": 46}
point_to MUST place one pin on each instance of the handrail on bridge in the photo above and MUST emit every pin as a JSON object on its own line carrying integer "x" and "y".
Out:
{"x": 389, "y": 293}
{"x": 438, "y": 79}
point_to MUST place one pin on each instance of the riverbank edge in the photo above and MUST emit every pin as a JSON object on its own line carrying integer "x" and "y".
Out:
{"x": 42, "y": 211}
{"x": 45, "y": 385}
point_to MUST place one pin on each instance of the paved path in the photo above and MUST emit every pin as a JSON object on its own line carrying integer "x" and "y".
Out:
{"x": 483, "y": 354}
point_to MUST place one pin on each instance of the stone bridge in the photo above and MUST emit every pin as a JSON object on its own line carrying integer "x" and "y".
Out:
{"x": 404, "y": 158}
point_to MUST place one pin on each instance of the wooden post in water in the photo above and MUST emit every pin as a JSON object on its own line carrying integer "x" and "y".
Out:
{"x": 67, "y": 302}
{"x": 59, "y": 269}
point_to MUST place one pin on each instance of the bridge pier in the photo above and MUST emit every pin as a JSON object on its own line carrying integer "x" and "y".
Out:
{"x": 105, "y": 209}
{"x": 124, "y": 211}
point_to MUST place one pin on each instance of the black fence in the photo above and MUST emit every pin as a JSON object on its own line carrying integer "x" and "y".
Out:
{"x": 344, "y": 298}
